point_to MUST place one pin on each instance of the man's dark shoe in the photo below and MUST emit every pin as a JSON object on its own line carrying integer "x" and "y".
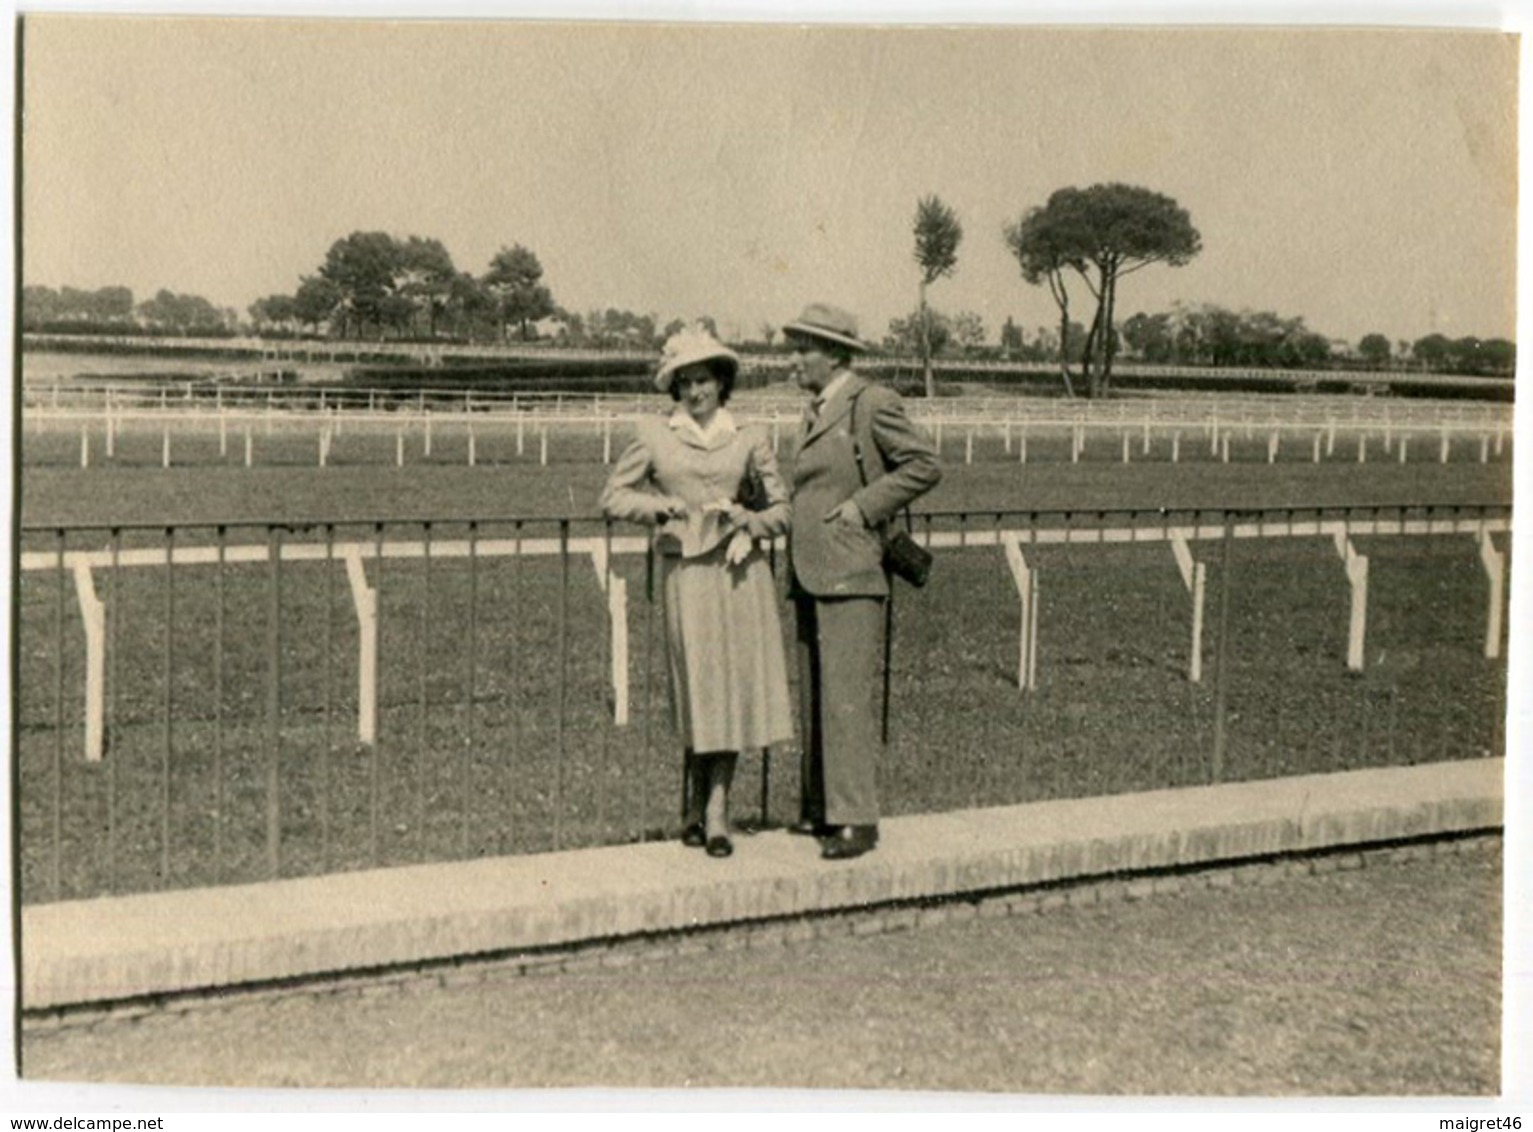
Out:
{"x": 847, "y": 841}
{"x": 809, "y": 827}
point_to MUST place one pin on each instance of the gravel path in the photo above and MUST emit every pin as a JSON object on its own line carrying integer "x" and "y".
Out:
{"x": 1382, "y": 981}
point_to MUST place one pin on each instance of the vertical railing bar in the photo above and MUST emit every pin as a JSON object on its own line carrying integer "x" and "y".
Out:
{"x": 327, "y": 744}
{"x": 649, "y": 681}
{"x": 114, "y": 757}
{"x": 466, "y": 780}
{"x": 221, "y": 534}
{"x": 1000, "y": 549}
{"x": 519, "y": 581}
{"x": 56, "y": 870}
{"x": 422, "y": 665}
{"x": 375, "y": 755}
{"x": 609, "y": 687}
{"x": 274, "y": 705}
{"x": 564, "y": 585}
{"x": 169, "y": 676}
{"x": 1221, "y": 672}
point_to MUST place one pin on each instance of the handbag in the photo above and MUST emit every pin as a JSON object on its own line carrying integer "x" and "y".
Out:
{"x": 903, "y": 556}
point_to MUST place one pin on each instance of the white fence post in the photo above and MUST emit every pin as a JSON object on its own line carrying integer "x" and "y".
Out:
{"x": 1026, "y": 581}
{"x": 1194, "y": 577}
{"x": 1494, "y": 562}
{"x": 428, "y": 434}
{"x": 543, "y": 443}
{"x": 165, "y": 447}
{"x": 1357, "y": 574}
{"x": 617, "y": 617}
{"x": 248, "y": 452}
{"x": 617, "y": 609}
{"x": 366, "y": 601}
{"x": 93, "y": 614}
{"x": 472, "y": 454}
{"x": 606, "y": 440}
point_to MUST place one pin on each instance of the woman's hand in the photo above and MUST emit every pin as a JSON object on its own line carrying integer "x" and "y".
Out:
{"x": 740, "y": 546}
{"x": 669, "y": 507}
{"x": 733, "y": 514}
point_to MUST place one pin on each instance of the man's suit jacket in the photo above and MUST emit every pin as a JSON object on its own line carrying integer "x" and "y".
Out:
{"x": 836, "y": 559}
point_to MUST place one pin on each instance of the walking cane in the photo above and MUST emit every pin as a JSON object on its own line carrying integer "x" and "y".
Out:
{"x": 888, "y": 654}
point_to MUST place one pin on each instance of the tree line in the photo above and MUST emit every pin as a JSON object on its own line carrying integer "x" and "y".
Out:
{"x": 1080, "y": 244}
{"x": 112, "y": 310}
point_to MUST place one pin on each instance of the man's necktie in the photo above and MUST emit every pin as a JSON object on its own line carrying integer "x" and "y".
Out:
{"x": 812, "y": 413}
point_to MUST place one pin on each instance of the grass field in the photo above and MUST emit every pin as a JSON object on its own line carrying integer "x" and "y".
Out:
{"x": 228, "y": 723}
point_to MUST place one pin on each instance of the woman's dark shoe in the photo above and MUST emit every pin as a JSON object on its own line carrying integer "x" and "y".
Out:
{"x": 692, "y": 837}
{"x": 848, "y": 841}
{"x": 720, "y": 846}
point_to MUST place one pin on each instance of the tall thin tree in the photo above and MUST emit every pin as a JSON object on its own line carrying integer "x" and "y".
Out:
{"x": 938, "y": 234}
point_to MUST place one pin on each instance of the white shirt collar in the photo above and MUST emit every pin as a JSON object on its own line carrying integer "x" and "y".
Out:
{"x": 722, "y": 426}
{"x": 840, "y": 378}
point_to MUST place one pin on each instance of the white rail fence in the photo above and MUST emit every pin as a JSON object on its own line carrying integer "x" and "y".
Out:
{"x": 1120, "y": 433}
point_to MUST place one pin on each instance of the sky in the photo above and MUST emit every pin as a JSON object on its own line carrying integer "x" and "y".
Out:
{"x": 1364, "y": 180}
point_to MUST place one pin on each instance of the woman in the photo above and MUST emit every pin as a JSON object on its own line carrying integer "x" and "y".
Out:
{"x": 711, "y": 488}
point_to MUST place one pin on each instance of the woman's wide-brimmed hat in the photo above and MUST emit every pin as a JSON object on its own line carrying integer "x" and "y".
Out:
{"x": 688, "y": 347}
{"x": 832, "y": 324}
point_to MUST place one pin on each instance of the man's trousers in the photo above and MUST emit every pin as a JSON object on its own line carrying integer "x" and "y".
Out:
{"x": 840, "y": 644}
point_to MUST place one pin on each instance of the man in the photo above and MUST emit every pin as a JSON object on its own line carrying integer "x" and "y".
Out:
{"x": 838, "y": 583}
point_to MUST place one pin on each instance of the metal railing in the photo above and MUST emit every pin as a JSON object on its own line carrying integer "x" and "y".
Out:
{"x": 215, "y": 704}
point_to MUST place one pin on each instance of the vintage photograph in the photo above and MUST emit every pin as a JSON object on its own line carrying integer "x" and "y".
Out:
{"x": 829, "y": 557}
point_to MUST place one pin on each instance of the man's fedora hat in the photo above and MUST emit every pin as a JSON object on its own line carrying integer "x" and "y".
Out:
{"x": 832, "y": 324}
{"x": 688, "y": 347}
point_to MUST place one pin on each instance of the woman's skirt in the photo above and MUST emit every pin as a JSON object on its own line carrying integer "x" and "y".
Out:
{"x": 729, "y": 679}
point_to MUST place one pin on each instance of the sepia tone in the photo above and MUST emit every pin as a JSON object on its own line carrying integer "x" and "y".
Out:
{"x": 1277, "y": 842}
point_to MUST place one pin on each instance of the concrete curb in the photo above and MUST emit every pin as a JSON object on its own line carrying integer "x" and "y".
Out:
{"x": 119, "y": 948}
